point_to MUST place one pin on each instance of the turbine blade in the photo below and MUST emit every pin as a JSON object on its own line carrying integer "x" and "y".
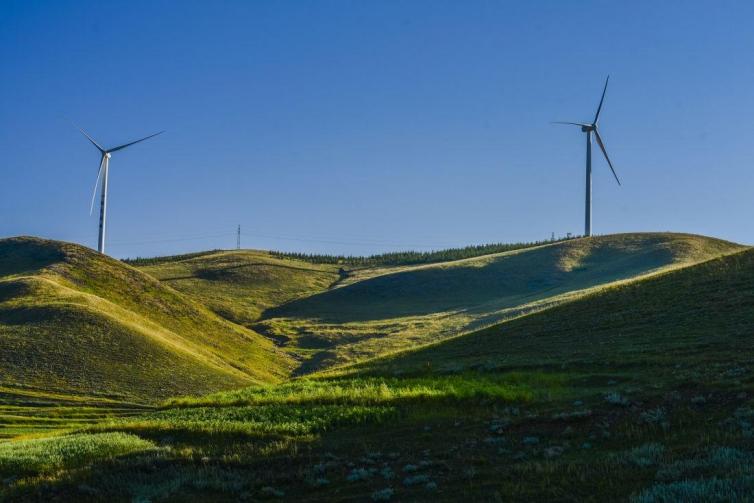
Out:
{"x": 96, "y": 183}
{"x": 599, "y": 108}
{"x": 90, "y": 139}
{"x": 120, "y": 147}
{"x": 572, "y": 123}
{"x": 604, "y": 151}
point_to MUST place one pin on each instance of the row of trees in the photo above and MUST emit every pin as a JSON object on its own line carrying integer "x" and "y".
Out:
{"x": 141, "y": 261}
{"x": 412, "y": 257}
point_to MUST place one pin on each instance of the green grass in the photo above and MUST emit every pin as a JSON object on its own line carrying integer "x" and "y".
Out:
{"x": 304, "y": 407}
{"x": 46, "y": 455}
{"x": 27, "y": 412}
{"x": 374, "y": 391}
{"x": 622, "y": 372}
{"x": 410, "y": 306}
{"x": 25, "y": 420}
{"x": 327, "y": 314}
{"x": 512, "y": 436}
{"x": 257, "y": 421}
{"x": 504, "y": 280}
{"x": 700, "y": 314}
{"x": 76, "y": 322}
{"x": 240, "y": 285}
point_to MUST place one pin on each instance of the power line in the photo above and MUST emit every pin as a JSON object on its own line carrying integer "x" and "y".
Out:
{"x": 171, "y": 240}
{"x": 364, "y": 242}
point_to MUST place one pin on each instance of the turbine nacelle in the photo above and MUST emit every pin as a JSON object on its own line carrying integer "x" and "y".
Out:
{"x": 588, "y": 127}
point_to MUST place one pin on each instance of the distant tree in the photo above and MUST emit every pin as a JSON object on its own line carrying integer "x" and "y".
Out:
{"x": 412, "y": 257}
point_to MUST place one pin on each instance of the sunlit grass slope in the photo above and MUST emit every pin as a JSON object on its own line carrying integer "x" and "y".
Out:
{"x": 703, "y": 313}
{"x": 26, "y": 412}
{"x": 76, "y": 322}
{"x": 417, "y": 305}
{"x": 240, "y": 285}
{"x": 639, "y": 391}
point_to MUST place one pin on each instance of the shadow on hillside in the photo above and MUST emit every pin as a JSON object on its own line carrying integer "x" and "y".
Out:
{"x": 27, "y": 255}
{"x": 484, "y": 285}
{"x": 229, "y": 273}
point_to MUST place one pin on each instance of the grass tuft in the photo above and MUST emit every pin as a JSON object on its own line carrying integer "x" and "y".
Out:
{"x": 44, "y": 455}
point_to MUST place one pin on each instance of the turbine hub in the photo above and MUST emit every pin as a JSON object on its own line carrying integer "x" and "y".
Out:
{"x": 107, "y": 154}
{"x": 588, "y": 127}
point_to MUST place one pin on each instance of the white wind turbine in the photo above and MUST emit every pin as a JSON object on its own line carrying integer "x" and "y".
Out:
{"x": 104, "y": 165}
{"x": 590, "y": 128}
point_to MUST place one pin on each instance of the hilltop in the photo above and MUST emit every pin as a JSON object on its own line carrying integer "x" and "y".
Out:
{"x": 79, "y": 323}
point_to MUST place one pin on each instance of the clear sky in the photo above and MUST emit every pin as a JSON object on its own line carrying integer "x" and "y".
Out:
{"x": 369, "y": 126}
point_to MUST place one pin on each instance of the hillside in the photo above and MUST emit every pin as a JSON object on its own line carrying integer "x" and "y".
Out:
{"x": 701, "y": 316}
{"x": 408, "y": 306}
{"x": 78, "y": 323}
{"x": 75, "y": 322}
{"x": 638, "y": 390}
{"x": 240, "y": 285}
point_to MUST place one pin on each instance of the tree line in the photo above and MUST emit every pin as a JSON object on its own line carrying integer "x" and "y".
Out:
{"x": 142, "y": 261}
{"x": 412, "y": 257}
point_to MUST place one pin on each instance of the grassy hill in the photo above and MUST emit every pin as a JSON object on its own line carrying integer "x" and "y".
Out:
{"x": 398, "y": 308}
{"x": 700, "y": 315}
{"x": 638, "y": 390}
{"x": 79, "y": 323}
{"x": 240, "y": 285}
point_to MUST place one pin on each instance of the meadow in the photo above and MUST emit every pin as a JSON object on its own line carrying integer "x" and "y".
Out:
{"x": 630, "y": 380}
{"x": 535, "y": 435}
{"x": 329, "y": 314}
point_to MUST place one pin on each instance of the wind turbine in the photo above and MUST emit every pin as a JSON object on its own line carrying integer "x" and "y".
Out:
{"x": 104, "y": 165}
{"x": 589, "y": 129}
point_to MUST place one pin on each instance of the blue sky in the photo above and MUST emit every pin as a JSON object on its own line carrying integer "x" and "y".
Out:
{"x": 360, "y": 127}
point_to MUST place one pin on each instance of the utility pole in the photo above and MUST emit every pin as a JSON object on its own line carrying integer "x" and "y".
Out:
{"x": 238, "y": 238}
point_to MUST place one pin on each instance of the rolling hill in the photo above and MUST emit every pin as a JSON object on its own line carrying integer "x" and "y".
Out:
{"x": 78, "y": 323}
{"x": 622, "y": 372}
{"x": 404, "y": 307}
{"x": 699, "y": 316}
{"x": 241, "y": 284}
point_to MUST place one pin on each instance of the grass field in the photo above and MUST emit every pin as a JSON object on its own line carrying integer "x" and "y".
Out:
{"x": 624, "y": 375}
{"x": 241, "y": 285}
{"x": 326, "y": 314}
{"x": 705, "y": 311}
{"x": 405, "y": 307}
{"x": 75, "y": 322}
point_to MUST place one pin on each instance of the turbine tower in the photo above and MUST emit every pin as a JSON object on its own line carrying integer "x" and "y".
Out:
{"x": 591, "y": 128}
{"x": 104, "y": 165}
